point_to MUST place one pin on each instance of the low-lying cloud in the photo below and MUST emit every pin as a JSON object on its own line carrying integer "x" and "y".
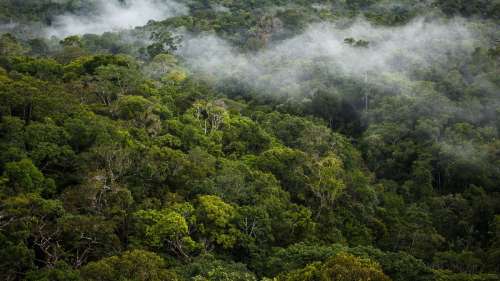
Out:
{"x": 286, "y": 65}
{"x": 113, "y": 15}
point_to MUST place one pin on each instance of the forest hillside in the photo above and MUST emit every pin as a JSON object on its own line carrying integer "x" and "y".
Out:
{"x": 233, "y": 140}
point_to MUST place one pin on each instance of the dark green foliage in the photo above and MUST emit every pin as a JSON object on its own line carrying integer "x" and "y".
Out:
{"x": 119, "y": 163}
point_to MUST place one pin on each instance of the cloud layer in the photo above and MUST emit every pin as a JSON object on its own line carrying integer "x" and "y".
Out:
{"x": 112, "y": 15}
{"x": 397, "y": 50}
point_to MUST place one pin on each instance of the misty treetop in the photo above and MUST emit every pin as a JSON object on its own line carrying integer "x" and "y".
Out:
{"x": 249, "y": 140}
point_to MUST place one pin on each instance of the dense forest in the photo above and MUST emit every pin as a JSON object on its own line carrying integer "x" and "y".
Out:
{"x": 245, "y": 140}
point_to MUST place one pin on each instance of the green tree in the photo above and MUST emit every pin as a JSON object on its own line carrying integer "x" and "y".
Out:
{"x": 342, "y": 267}
{"x": 31, "y": 224}
{"x": 60, "y": 272}
{"x": 135, "y": 265}
{"x": 10, "y": 46}
{"x": 22, "y": 177}
{"x": 328, "y": 184}
{"x": 166, "y": 228}
{"x": 215, "y": 222}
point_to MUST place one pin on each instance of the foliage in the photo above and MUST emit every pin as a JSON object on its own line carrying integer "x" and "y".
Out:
{"x": 117, "y": 162}
{"x": 343, "y": 267}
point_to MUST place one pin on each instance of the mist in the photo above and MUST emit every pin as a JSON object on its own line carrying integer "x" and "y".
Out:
{"x": 393, "y": 54}
{"x": 113, "y": 15}
{"x": 393, "y": 62}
